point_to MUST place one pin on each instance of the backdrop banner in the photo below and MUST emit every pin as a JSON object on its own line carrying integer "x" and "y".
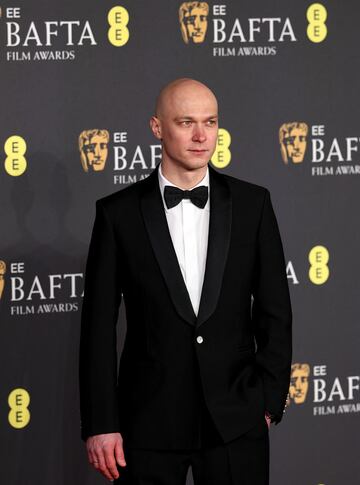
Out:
{"x": 79, "y": 81}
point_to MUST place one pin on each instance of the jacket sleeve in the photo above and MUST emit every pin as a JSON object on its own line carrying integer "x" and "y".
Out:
{"x": 97, "y": 353}
{"x": 272, "y": 314}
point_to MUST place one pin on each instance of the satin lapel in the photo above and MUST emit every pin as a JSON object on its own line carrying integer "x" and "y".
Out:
{"x": 218, "y": 245}
{"x": 156, "y": 224}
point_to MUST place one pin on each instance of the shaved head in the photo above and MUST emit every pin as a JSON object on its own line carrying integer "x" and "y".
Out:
{"x": 186, "y": 123}
{"x": 177, "y": 90}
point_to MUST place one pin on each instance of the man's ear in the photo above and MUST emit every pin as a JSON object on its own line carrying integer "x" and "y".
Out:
{"x": 155, "y": 126}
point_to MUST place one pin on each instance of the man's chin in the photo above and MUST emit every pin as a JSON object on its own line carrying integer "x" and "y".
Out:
{"x": 199, "y": 161}
{"x": 194, "y": 163}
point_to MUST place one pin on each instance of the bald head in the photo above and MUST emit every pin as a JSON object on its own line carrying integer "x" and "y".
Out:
{"x": 186, "y": 122}
{"x": 178, "y": 91}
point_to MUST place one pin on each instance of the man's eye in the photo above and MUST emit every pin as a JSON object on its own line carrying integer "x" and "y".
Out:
{"x": 211, "y": 122}
{"x": 186, "y": 123}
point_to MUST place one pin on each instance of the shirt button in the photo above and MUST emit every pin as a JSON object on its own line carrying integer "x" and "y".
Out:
{"x": 199, "y": 339}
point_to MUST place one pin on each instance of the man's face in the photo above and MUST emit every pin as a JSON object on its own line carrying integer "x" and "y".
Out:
{"x": 295, "y": 143}
{"x": 195, "y": 21}
{"x": 298, "y": 386}
{"x": 189, "y": 126}
{"x": 96, "y": 151}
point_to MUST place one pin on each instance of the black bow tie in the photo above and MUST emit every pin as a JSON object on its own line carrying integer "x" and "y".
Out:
{"x": 198, "y": 196}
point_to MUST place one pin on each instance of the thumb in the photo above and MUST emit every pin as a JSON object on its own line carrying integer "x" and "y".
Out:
{"x": 119, "y": 454}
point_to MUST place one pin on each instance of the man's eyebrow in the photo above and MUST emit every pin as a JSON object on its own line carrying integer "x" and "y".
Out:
{"x": 191, "y": 118}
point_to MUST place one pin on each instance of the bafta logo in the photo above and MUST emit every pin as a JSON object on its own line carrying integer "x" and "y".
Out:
{"x": 193, "y": 21}
{"x": 299, "y": 382}
{"x": 93, "y": 146}
{"x": 292, "y": 137}
{"x": 2, "y": 274}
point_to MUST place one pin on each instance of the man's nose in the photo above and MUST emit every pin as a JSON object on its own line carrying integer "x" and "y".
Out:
{"x": 199, "y": 134}
{"x": 97, "y": 151}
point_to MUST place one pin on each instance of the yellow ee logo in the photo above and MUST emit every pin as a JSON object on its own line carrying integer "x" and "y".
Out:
{"x": 222, "y": 155}
{"x": 319, "y": 269}
{"x": 118, "y": 18}
{"x": 19, "y": 414}
{"x": 15, "y": 149}
{"x": 316, "y": 15}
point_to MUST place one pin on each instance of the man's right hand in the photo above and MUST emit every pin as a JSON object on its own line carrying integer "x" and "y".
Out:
{"x": 104, "y": 451}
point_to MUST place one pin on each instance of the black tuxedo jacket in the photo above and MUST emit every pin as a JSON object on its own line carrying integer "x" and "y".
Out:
{"x": 240, "y": 342}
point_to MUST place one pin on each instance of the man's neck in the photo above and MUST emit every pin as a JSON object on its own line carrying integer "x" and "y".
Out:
{"x": 185, "y": 179}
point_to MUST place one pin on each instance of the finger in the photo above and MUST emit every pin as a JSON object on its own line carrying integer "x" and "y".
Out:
{"x": 102, "y": 467}
{"x": 93, "y": 459}
{"x": 110, "y": 461}
{"x": 91, "y": 456}
{"x": 119, "y": 454}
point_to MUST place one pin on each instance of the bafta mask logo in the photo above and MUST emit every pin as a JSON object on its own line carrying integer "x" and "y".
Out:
{"x": 299, "y": 382}
{"x": 93, "y": 146}
{"x": 2, "y": 274}
{"x": 292, "y": 137}
{"x": 193, "y": 21}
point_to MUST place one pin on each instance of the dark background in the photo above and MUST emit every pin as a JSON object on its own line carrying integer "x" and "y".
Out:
{"x": 47, "y": 212}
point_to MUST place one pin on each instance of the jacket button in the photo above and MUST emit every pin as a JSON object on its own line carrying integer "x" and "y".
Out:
{"x": 199, "y": 339}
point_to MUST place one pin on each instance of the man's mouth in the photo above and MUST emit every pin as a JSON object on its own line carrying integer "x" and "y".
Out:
{"x": 198, "y": 150}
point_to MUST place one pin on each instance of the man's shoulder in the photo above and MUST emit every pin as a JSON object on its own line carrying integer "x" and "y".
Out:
{"x": 125, "y": 197}
{"x": 245, "y": 188}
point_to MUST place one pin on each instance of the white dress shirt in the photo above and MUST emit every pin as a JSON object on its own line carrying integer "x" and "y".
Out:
{"x": 189, "y": 229}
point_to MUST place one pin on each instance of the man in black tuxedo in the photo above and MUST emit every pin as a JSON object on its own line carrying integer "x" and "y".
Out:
{"x": 205, "y": 367}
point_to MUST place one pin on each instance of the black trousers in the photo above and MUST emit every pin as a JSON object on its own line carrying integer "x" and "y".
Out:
{"x": 243, "y": 461}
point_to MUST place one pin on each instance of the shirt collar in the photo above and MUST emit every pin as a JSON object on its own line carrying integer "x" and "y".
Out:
{"x": 164, "y": 181}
